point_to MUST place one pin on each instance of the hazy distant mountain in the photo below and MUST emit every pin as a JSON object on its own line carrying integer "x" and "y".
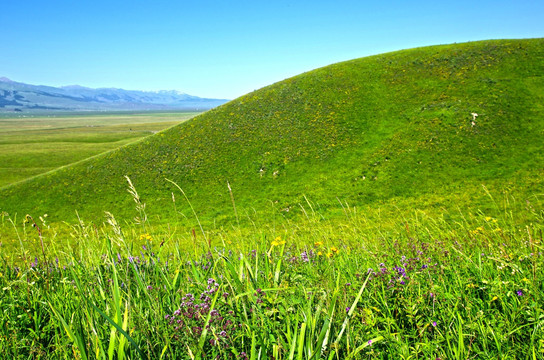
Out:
{"x": 19, "y": 97}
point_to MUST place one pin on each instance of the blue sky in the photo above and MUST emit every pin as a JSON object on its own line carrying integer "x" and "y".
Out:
{"x": 224, "y": 49}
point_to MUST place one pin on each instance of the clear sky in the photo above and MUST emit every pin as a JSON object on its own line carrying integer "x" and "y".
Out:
{"x": 224, "y": 49}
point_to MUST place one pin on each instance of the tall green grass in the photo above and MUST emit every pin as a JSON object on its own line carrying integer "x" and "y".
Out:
{"x": 412, "y": 287}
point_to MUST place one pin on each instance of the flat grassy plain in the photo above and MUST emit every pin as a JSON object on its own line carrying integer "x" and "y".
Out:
{"x": 34, "y": 145}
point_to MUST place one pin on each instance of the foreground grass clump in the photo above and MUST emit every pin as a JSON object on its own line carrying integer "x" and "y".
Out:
{"x": 422, "y": 290}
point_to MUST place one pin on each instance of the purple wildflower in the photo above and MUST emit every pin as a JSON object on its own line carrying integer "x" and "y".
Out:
{"x": 520, "y": 293}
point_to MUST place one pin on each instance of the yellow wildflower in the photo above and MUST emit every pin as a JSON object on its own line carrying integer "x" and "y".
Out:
{"x": 146, "y": 237}
{"x": 330, "y": 255}
{"x": 334, "y": 249}
{"x": 278, "y": 241}
{"x": 318, "y": 243}
{"x": 494, "y": 298}
{"x": 319, "y": 253}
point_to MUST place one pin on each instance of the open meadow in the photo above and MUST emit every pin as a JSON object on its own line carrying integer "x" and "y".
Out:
{"x": 34, "y": 145}
{"x": 388, "y": 207}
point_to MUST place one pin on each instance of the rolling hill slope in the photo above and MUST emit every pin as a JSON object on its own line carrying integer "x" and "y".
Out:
{"x": 421, "y": 128}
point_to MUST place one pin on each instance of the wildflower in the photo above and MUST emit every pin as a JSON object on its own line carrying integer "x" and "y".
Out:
{"x": 146, "y": 237}
{"x": 330, "y": 255}
{"x": 334, "y": 249}
{"x": 519, "y": 293}
{"x": 278, "y": 241}
{"x": 318, "y": 243}
{"x": 494, "y": 298}
{"x": 434, "y": 323}
{"x": 347, "y": 309}
{"x": 149, "y": 287}
{"x": 369, "y": 342}
{"x": 526, "y": 280}
{"x": 319, "y": 253}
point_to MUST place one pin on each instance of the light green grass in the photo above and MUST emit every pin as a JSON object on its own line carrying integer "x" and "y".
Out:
{"x": 437, "y": 289}
{"x": 288, "y": 199}
{"x": 393, "y": 130}
{"x": 33, "y": 146}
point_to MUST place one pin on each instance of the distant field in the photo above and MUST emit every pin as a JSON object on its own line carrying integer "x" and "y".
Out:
{"x": 33, "y": 145}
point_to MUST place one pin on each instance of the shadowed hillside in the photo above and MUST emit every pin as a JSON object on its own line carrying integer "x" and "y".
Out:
{"x": 420, "y": 128}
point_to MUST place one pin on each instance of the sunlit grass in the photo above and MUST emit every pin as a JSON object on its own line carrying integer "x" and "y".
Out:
{"x": 412, "y": 286}
{"x": 35, "y": 145}
{"x": 352, "y": 212}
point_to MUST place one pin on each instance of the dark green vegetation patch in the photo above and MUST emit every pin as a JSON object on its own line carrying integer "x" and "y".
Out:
{"x": 422, "y": 128}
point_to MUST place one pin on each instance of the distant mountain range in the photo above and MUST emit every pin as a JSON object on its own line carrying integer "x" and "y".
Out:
{"x": 16, "y": 97}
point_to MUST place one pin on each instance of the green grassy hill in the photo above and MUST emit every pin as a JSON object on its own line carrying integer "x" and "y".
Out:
{"x": 395, "y": 130}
